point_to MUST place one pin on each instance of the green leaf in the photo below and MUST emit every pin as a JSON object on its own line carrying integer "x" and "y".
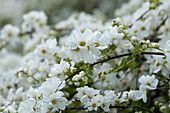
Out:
{"x": 152, "y": 108}
{"x": 90, "y": 72}
{"x": 131, "y": 67}
{"x": 123, "y": 61}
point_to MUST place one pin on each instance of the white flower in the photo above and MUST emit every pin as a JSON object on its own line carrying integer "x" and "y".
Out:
{"x": 34, "y": 20}
{"x": 56, "y": 101}
{"x": 51, "y": 85}
{"x": 46, "y": 49}
{"x": 111, "y": 97}
{"x": 59, "y": 68}
{"x": 85, "y": 93}
{"x": 135, "y": 95}
{"x": 132, "y": 94}
{"x": 105, "y": 105}
{"x": 27, "y": 106}
{"x": 9, "y": 33}
{"x": 94, "y": 103}
{"x": 147, "y": 82}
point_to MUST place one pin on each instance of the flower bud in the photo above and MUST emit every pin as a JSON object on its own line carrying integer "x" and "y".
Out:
{"x": 134, "y": 39}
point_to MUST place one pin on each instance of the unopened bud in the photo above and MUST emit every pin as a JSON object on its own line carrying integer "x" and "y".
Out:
{"x": 155, "y": 45}
{"x": 163, "y": 108}
{"x": 77, "y": 83}
{"x": 147, "y": 42}
{"x": 156, "y": 103}
{"x": 144, "y": 46}
{"x": 134, "y": 39}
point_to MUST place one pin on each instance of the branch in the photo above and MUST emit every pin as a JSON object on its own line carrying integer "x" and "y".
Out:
{"x": 114, "y": 57}
{"x": 117, "y": 107}
{"x": 152, "y": 37}
{"x": 143, "y": 109}
{"x": 140, "y": 17}
{"x": 165, "y": 83}
{"x": 143, "y": 15}
{"x": 163, "y": 88}
{"x": 74, "y": 73}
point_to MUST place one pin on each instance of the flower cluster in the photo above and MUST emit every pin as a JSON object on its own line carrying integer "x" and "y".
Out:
{"x": 92, "y": 99}
{"x": 86, "y": 46}
{"x": 85, "y": 63}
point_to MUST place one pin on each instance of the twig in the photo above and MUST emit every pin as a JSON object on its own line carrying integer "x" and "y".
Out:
{"x": 157, "y": 29}
{"x": 163, "y": 88}
{"x": 74, "y": 73}
{"x": 140, "y": 17}
{"x": 165, "y": 83}
{"x": 143, "y": 109}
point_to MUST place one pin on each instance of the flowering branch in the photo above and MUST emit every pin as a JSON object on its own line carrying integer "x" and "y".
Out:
{"x": 157, "y": 29}
{"x": 114, "y": 57}
{"x": 143, "y": 15}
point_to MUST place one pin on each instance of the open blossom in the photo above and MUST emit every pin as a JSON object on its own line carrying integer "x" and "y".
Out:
{"x": 59, "y": 69}
{"x": 147, "y": 82}
{"x": 85, "y": 93}
{"x": 51, "y": 85}
{"x": 27, "y": 106}
{"x": 46, "y": 49}
{"x": 95, "y": 102}
{"x": 56, "y": 101}
{"x": 9, "y": 33}
{"x": 131, "y": 95}
{"x": 86, "y": 46}
{"x": 34, "y": 20}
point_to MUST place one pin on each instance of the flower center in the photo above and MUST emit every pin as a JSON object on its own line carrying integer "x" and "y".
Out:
{"x": 43, "y": 51}
{"x": 82, "y": 43}
{"x": 93, "y": 105}
{"x": 54, "y": 101}
{"x": 76, "y": 50}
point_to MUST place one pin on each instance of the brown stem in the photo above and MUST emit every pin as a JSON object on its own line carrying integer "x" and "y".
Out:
{"x": 163, "y": 88}
{"x": 143, "y": 109}
{"x": 140, "y": 17}
{"x": 165, "y": 83}
{"x": 143, "y": 15}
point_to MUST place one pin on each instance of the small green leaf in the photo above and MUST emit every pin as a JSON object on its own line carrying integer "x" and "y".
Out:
{"x": 152, "y": 108}
{"x": 123, "y": 61}
{"x": 90, "y": 72}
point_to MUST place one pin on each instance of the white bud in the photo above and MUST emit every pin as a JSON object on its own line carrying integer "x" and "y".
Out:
{"x": 77, "y": 83}
{"x": 147, "y": 42}
{"x": 119, "y": 30}
{"x": 162, "y": 108}
{"x": 134, "y": 39}
{"x": 155, "y": 45}
{"x": 144, "y": 46}
{"x": 142, "y": 42}
{"x": 85, "y": 79}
